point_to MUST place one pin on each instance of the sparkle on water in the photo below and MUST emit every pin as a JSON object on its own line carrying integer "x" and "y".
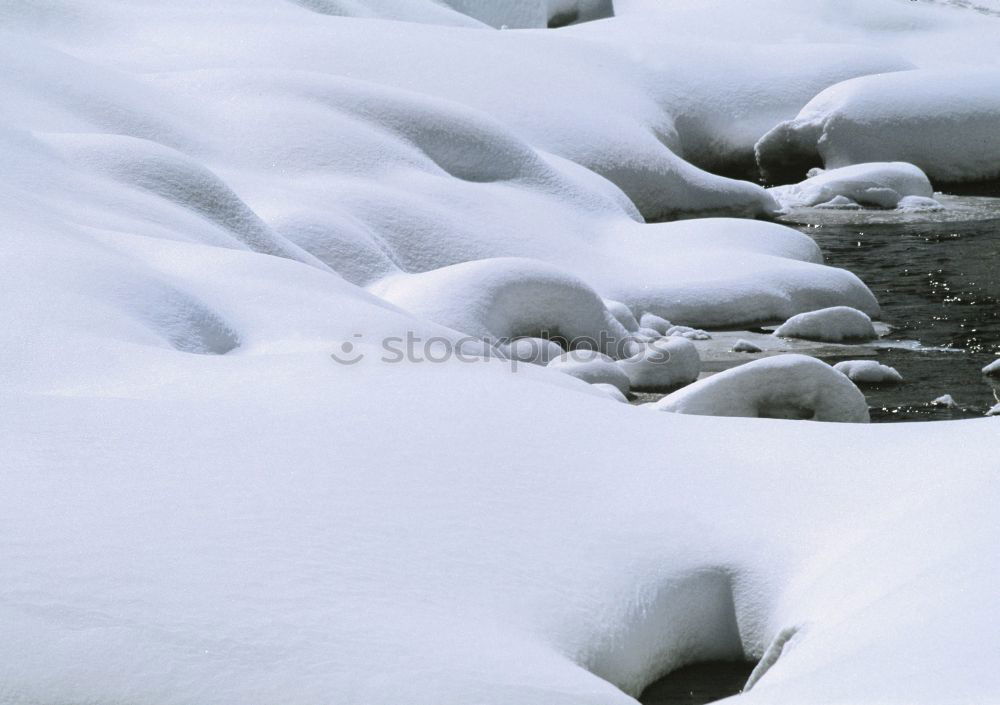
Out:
{"x": 937, "y": 279}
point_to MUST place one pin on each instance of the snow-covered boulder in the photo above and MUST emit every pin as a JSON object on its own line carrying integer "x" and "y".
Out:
{"x": 835, "y": 324}
{"x": 612, "y": 391}
{"x": 946, "y": 401}
{"x": 537, "y": 351}
{"x": 622, "y": 314}
{"x": 869, "y": 372}
{"x": 658, "y": 323}
{"x": 506, "y": 298}
{"x": 688, "y": 332}
{"x": 592, "y": 367}
{"x": 881, "y": 185}
{"x": 943, "y": 121}
{"x": 663, "y": 364}
{"x": 992, "y": 369}
{"x": 780, "y": 387}
{"x": 745, "y": 346}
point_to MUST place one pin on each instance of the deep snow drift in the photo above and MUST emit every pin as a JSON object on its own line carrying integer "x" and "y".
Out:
{"x": 238, "y": 234}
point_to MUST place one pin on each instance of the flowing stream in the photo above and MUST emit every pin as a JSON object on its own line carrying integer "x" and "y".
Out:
{"x": 937, "y": 278}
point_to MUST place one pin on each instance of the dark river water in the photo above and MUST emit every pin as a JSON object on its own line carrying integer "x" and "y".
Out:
{"x": 698, "y": 684}
{"x": 938, "y": 282}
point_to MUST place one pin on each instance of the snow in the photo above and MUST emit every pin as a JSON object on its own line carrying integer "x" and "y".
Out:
{"x": 257, "y": 450}
{"x": 945, "y": 400}
{"x": 834, "y": 324}
{"x": 746, "y": 346}
{"x": 868, "y": 372}
{"x": 943, "y": 121}
{"x": 781, "y": 387}
{"x": 539, "y": 351}
{"x": 879, "y": 185}
{"x": 592, "y": 367}
{"x": 655, "y": 323}
{"x": 992, "y": 369}
{"x": 666, "y": 363}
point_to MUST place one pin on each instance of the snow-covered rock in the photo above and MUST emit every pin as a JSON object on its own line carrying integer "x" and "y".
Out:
{"x": 745, "y": 346}
{"x": 688, "y": 332}
{"x": 994, "y": 411}
{"x": 945, "y": 400}
{"x": 652, "y": 321}
{"x": 943, "y": 121}
{"x": 663, "y": 364}
{"x": 592, "y": 367}
{"x": 835, "y": 324}
{"x": 992, "y": 369}
{"x": 622, "y": 313}
{"x": 499, "y": 299}
{"x": 537, "y": 351}
{"x": 881, "y": 185}
{"x": 869, "y": 372}
{"x": 779, "y": 387}
{"x": 611, "y": 390}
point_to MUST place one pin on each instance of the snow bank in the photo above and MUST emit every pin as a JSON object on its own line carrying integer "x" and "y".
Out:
{"x": 881, "y": 185}
{"x": 666, "y": 363}
{"x": 217, "y": 488}
{"x": 868, "y": 372}
{"x": 835, "y": 324}
{"x": 780, "y": 387}
{"x": 992, "y": 369}
{"x": 943, "y": 121}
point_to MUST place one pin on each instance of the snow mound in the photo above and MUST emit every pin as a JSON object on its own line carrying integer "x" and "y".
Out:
{"x": 994, "y": 411}
{"x": 688, "y": 332}
{"x": 780, "y": 387}
{"x": 832, "y": 325}
{"x": 943, "y": 121}
{"x": 623, "y": 314}
{"x": 592, "y": 367}
{"x": 612, "y": 391}
{"x": 880, "y": 185}
{"x": 945, "y": 400}
{"x": 663, "y": 364}
{"x": 537, "y": 351}
{"x": 746, "y": 346}
{"x": 656, "y": 323}
{"x": 505, "y": 298}
{"x": 868, "y": 372}
{"x": 992, "y": 369}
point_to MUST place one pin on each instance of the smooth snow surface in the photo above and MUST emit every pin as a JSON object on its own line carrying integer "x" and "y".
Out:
{"x": 868, "y": 372}
{"x": 880, "y": 185}
{"x": 780, "y": 387}
{"x": 834, "y": 325}
{"x": 272, "y": 274}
